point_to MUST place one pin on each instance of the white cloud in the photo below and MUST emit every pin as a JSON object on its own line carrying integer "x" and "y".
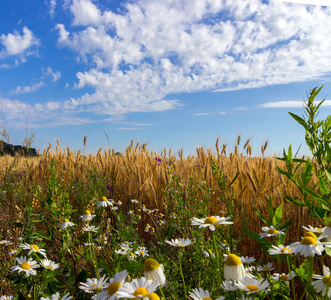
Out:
{"x": 293, "y": 104}
{"x": 202, "y": 114}
{"x": 309, "y": 2}
{"x": 49, "y": 72}
{"x": 27, "y": 89}
{"x": 52, "y": 5}
{"x": 136, "y": 56}
{"x": 16, "y": 44}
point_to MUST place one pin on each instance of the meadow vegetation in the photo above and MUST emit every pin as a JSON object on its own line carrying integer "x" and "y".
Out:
{"x": 100, "y": 217}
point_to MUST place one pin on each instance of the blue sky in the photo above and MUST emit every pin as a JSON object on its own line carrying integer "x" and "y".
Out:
{"x": 172, "y": 73}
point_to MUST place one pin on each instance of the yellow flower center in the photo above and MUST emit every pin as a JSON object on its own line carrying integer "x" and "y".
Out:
{"x": 308, "y": 241}
{"x": 284, "y": 277}
{"x": 310, "y": 234}
{"x": 35, "y": 247}
{"x": 210, "y": 220}
{"x": 151, "y": 264}
{"x": 103, "y": 198}
{"x": 49, "y": 267}
{"x": 131, "y": 254}
{"x": 66, "y": 220}
{"x": 25, "y": 266}
{"x": 252, "y": 288}
{"x": 87, "y": 212}
{"x": 153, "y": 296}
{"x": 272, "y": 231}
{"x": 232, "y": 260}
{"x": 286, "y": 250}
{"x": 142, "y": 252}
{"x": 326, "y": 280}
{"x": 266, "y": 269}
{"x": 207, "y": 298}
{"x": 140, "y": 292}
{"x": 113, "y": 288}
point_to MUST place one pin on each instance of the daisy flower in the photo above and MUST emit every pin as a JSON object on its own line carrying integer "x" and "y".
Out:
{"x": 90, "y": 229}
{"x": 57, "y": 297}
{"x": 33, "y": 249}
{"x": 326, "y": 231}
{"x": 66, "y": 224}
{"x": 87, "y": 217}
{"x": 48, "y": 264}
{"x": 283, "y": 277}
{"x": 4, "y": 297}
{"x": 209, "y": 253}
{"x": 233, "y": 268}
{"x": 265, "y": 268}
{"x": 246, "y": 259}
{"x": 131, "y": 256}
{"x": 138, "y": 289}
{"x": 270, "y": 231}
{"x": 124, "y": 250}
{"x": 280, "y": 250}
{"x": 179, "y": 243}
{"x": 229, "y": 285}
{"x": 251, "y": 285}
{"x": 92, "y": 284}
{"x": 141, "y": 251}
{"x": 313, "y": 229}
{"x": 134, "y": 201}
{"x": 323, "y": 283}
{"x": 210, "y": 222}
{"x": 200, "y": 294}
{"x": 111, "y": 288}
{"x": 309, "y": 246}
{"x": 154, "y": 271}
{"x": 104, "y": 202}
{"x": 26, "y": 266}
{"x": 12, "y": 252}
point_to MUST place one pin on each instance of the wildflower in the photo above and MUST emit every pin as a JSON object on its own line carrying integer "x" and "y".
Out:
{"x": 209, "y": 253}
{"x": 229, "y": 285}
{"x": 249, "y": 272}
{"x": 5, "y": 242}
{"x": 246, "y": 259}
{"x": 310, "y": 228}
{"x": 160, "y": 222}
{"x": 123, "y": 250}
{"x": 114, "y": 208}
{"x": 326, "y": 231}
{"x": 134, "y": 201}
{"x": 104, "y": 202}
{"x": 270, "y": 231}
{"x": 66, "y": 224}
{"x": 93, "y": 284}
{"x": 138, "y": 288}
{"x": 56, "y": 297}
{"x": 33, "y": 249}
{"x": 323, "y": 283}
{"x": 154, "y": 271}
{"x": 6, "y": 297}
{"x": 119, "y": 203}
{"x": 210, "y": 222}
{"x": 251, "y": 285}
{"x": 131, "y": 256}
{"x": 233, "y": 268}
{"x": 179, "y": 243}
{"x": 48, "y": 264}
{"x": 309, "y": 246}
{"x": 130, "y": 212}
{"x": 12, "y": 252}
{"x": 90, "y": 228}
{"x": 88, "y": 244}
{"x": 87, "y": 217}
{"x": 284, "y": 277}
{"x": 280, "y": 250}
{"x": 265, "y": 268}
{"x": 111, "y": 288}
{"x": 26, "y": 266}
{"x": 142, "y": 251}
{"x": 200, "y": 294}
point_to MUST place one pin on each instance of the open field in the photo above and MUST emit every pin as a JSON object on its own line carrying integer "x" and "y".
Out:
{"x": 168, "y": 188}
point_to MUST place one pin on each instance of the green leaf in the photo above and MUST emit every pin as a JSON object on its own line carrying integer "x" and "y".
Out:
{"x": 294, "y": 201}
{"x": 277, "y": 217}
{"x": 261, "y": 216}
{"x": 44, "y": 236}
{"x": 328, "y": 250}
{"x": 265, "y": 244}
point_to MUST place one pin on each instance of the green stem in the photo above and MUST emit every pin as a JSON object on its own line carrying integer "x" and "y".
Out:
{"x": 310, "y": 276}
{"x": 181, "y": 271}
{"x": 217, "y": 258}
{"x": 290, "y": 271}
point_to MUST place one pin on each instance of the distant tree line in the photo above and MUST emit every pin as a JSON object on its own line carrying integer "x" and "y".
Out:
{"x": 9, "y": 149}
